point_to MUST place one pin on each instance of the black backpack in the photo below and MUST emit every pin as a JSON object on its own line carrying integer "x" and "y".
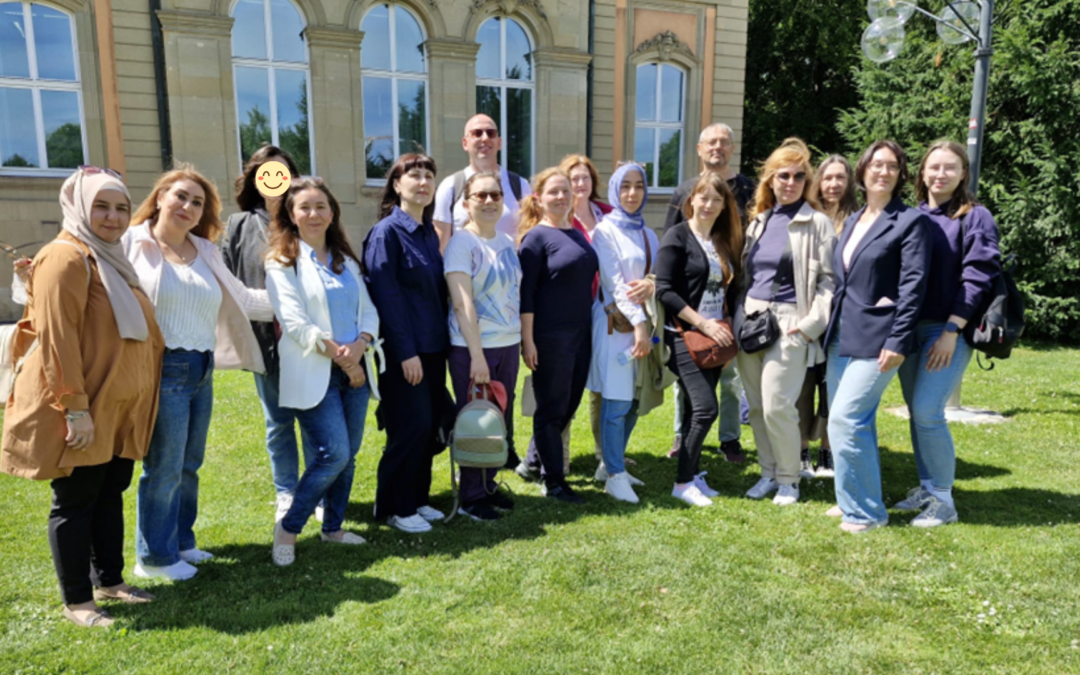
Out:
{"x": 999, "y": 322}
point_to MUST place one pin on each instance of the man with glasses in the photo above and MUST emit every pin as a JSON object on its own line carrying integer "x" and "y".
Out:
{"x": 715, "y": 146}
{"x": 482, "y": 142}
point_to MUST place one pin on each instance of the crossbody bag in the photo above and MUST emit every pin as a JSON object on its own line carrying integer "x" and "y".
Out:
{"x": 760, "y": 330}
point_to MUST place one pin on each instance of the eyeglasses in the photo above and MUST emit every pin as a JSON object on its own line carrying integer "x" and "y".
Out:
{"x": 91, "y": 170}
{"x": 480, "y": 133}
{"x": 797, "y": 177}
{"x": 481, "y": 197}
{"x": 13, "y": 251}
{"x": 879, "y": 166}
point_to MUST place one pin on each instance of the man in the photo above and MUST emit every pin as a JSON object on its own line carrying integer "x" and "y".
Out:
{"x": 715, "y": 146}
{"x": 482, "y": 142}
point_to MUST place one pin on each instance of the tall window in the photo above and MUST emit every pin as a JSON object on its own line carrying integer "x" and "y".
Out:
{"x": 394, "y": 72}
{"x": 41, "y": 125}
{"x": 270, "y": 72}
{"x": 504, "y": 89}
{"x": 658, "y": 123}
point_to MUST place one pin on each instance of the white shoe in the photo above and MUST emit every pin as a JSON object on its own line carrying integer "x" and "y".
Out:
{"x": 786, "y": 495}
{"x": 601, "y": 473}
{"x": 414, "y": 524}
{"x": 179, "y": 571}
{"x": 319, "y": 513}
{"x": 937, "y": 513}
{"x": 429, "y": 514}
{"x": 634, "y": 481}
{"x": 347, "y": 538}
{"x": 618, "y": 486}
{"x": 762, "y": 488}
{"x": 690, "y": 494}
{"x": 194, "y": 556}
{"x": 703, "y": 487}
{"x": 283, "y": 503}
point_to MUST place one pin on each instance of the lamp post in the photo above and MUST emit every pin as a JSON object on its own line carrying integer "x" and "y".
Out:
{"x": 957, "y": 23}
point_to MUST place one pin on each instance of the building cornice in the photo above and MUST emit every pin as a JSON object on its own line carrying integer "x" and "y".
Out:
{"x": 195, "y": 23}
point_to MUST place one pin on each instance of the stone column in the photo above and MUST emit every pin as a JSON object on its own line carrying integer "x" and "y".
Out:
{"x": 561, "y": 109}
{"x": 451, "y": 99}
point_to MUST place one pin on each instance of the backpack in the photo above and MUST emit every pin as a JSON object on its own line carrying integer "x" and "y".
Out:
{"x": 997, "y": 325}
{"x": 459, "y": 188}
{"x": 479, "y": 437}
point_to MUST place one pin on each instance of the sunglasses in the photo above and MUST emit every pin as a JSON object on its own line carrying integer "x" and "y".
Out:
{"x": 13, "y": 251}
{"x": 797, "y": 177}
{"x": 90, "y": 170}
{"x": 495, "y": 196}
{"x": 629, "y": 162}
{"x": 480, "y": 133}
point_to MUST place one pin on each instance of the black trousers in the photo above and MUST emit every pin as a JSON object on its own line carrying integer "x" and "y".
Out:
{"x": 698, "y": 389}
{"x": 563, "y": 358}
{"x": 86, "y": 528}
{"x": 412, "y": 417}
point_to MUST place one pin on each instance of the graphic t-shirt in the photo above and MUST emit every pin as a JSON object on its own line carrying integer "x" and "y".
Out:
{"x": 496, "y": 281}
{"x": 712, "y": 302}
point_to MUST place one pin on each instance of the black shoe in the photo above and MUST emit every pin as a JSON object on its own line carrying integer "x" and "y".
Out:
{"x": 824, "y": 468}
{"x": 479, "y": 511}
{"x": 732, "y": 451}
{"x": 499, "y": 501}
{"x": 512, "y": 461}
{"x": 806, "y": 470}
{"x": 563, "y": 493}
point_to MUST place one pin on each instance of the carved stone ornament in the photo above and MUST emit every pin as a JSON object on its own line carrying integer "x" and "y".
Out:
{"x": 666, "y": 43}
{"x": 507, "y": 7}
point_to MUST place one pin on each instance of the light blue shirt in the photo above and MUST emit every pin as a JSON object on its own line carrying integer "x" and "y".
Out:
{"x": 342, "y": 298}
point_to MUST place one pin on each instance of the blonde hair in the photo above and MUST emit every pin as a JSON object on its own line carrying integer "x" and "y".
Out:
{"x": 792, "y": 152}
{"x": 531, "y": 210}
{"x": 570, "y": 161}
{"x": 209, "y": 226}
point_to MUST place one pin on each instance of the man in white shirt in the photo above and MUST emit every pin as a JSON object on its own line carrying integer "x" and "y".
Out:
{"x": 482, "y": 142}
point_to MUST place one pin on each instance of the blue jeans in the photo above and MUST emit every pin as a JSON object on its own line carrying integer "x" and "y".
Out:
{"x": 335, "y": 428}
{"x": 281, "y": 435}
{"x": 731, "y": 401}
{"x": 855, "y": 389}
{"x": 617, "y": 420}
{"x": 926, "y": 394}
{"x": 168, "y": 495}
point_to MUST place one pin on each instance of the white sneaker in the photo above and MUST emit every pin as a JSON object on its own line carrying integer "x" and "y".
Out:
{"x": 414, "y": 524}
{"x": 601, "y": 473}
{"x": 703, "y": 487}
{"x": 786, "y": 494}
{"x": 762, "y": 488}
{"x": 936, "y": 513}
{"x": 179, "y": 571}
{"x": 618, "y": 486}
{"x": 916, "y": 499}
{"x": 429, "y": 514}
{"x": 690, "y": 494}
{"x": 634, "y": 481}
{"x": 283, "y": 504}
{"x": 194, "y": 556}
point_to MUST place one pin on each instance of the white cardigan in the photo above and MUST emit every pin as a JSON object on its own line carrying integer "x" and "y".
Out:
{"x": 300, "y": 304}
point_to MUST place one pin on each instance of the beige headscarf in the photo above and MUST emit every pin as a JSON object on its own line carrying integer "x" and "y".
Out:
{"x": 117, "y": 274}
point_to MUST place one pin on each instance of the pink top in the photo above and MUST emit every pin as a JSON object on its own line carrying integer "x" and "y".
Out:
{"x": 599, "y": 210}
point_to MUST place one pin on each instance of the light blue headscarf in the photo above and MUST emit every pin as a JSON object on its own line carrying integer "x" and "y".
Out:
{"x": 620, "y": 216}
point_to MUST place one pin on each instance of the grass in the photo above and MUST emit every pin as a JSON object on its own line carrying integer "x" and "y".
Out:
{"x": 743, "y": 587}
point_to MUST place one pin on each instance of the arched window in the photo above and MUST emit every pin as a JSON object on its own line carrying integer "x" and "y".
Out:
{"x": 41, "y": 113}
{"x": 504, "y": 89}
{"x": 659, "y": 122}
{"x": 394, "y": 70}
{"x": 270, "y": 74}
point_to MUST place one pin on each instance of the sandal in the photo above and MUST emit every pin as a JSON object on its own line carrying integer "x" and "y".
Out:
{"x": 132, "y": 595}
{"x": 94, "y": 618}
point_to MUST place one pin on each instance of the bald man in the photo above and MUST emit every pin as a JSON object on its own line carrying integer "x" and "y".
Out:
{"x": 482, "y": 143}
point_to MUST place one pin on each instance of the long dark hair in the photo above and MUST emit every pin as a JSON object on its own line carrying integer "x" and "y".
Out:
{"x": 962, "y": 200}
{"x": 727, "y": 229}
{"x": 404, "y": 164}
{"x": 248, "y": 197}
{"x": 285, "y": 235}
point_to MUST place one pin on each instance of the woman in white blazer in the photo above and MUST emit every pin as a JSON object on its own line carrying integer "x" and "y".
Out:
{"x": 328, "y": 322}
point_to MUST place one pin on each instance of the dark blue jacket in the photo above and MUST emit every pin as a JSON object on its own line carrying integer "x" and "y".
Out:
{"x": 879, "y": 298}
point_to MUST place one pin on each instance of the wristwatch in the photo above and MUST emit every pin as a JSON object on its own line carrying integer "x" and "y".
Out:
{"x": 951, "y": 327}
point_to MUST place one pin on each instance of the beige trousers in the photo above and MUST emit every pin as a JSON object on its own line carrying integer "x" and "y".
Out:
{"x": 773, "y": 379}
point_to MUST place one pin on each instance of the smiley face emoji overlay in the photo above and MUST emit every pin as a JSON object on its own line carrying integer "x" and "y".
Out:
{"x": 272, "y": 179}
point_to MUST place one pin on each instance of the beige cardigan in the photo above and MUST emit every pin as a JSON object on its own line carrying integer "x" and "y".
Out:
{"x": 813, "y": 238}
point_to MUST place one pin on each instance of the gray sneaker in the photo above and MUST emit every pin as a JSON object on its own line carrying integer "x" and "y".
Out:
{"x": 915, "y": 500}
{"x": 937, "y": 513}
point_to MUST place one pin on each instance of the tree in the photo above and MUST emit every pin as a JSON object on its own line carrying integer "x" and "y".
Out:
{"x": 64, "y": 147}
{"x": 296, "y": 140}
{"x": 254, "y": 133}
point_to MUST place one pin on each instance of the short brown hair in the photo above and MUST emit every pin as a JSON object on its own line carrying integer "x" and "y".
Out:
{"x": 285, "y": 234}
{"x": 209, "y": 226}
{"x": 868, "y": 155}
{"x": 404, "y": 164}
{"x": 570, "y": 161}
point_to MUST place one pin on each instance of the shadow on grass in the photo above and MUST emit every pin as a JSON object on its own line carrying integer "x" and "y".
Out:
{"x": 1069, "y": 396}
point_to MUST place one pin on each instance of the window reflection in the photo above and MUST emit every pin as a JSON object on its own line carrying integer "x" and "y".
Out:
{"x": 504, "y": 75}
{"x": 52, "y": 38}
{"x": 658, "y": 133}
{"x": 249, "y": 41}
{"x": 18, "y": 138}
{"x": 63, "y": 131}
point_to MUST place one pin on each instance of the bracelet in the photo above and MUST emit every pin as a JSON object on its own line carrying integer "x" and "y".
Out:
{"x": 77, "y": 415}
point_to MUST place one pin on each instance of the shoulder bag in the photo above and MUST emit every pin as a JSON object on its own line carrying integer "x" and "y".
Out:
{"x": 759, "y": 330}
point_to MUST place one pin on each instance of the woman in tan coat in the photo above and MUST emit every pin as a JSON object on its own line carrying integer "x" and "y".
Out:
{"x": 84, "y": 402}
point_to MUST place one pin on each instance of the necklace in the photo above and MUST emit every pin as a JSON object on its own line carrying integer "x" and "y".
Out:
{"x": 178, "y": 254}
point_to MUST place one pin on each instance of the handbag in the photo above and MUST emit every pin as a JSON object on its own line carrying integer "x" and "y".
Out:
{"x": 759, "y": 330}
{"x": 996, "y": 326}
{"x": 706, "y": 352}
{"x": 616, "y": 320}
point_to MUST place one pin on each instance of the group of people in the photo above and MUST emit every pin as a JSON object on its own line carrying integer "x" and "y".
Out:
{"x": 127, "y": 317}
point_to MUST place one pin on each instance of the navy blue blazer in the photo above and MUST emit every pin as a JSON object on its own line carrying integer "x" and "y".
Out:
{"x": 879, "y": 297}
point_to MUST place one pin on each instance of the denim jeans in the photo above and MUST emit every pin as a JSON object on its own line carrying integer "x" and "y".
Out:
{"x": 731, "y": 400}
{"x": 926, "y": 394}
{"x": 855, "y": 389}
{"x": 617, "y": 420}
{"x": 168, "y": 495}
{"x": 281, "y": 435}
{"x": 698, "y": 387}
{"x": 335, "y": 428}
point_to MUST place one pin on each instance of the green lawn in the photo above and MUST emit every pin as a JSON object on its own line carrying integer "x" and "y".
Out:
{"x": 743, "y": 587}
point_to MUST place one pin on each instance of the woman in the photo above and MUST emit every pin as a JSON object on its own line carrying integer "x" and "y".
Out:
{"x": 205, "y": 314}
{"x": 404, "y": 273}
{"x": 626, "y": 249}
{"x": 787, "y": 271}
{"x": 327, "y": 323}
{"x": 558, "y": 266}
{"x": 964, "y": 259}
{"x": 247, "y": 234}
{"x": 695, "y": 267}
{"x": 834, "y": 187}
{"x": 84, "y": 402}
{"x": 484, "y": 276}
{"x": 881, "y": 262}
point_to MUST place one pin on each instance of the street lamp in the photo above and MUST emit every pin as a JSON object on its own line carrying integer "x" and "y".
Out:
{"x": 957, "y": 23}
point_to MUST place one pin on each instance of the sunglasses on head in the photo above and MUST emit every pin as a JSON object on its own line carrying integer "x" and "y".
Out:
{"x": 629, "y": 162}
{"x": 90, "y": 170}
{"x": 480, "y": 133}
{"x": 495, "y": 196}
{"x": 798, "y": 177}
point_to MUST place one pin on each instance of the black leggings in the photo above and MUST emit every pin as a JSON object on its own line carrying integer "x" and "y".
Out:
{"x": 559, "y": 381}
{"x": 698, "y": 389}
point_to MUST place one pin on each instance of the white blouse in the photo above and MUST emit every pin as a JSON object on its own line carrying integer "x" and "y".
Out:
{"x": 188, "y": 302}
